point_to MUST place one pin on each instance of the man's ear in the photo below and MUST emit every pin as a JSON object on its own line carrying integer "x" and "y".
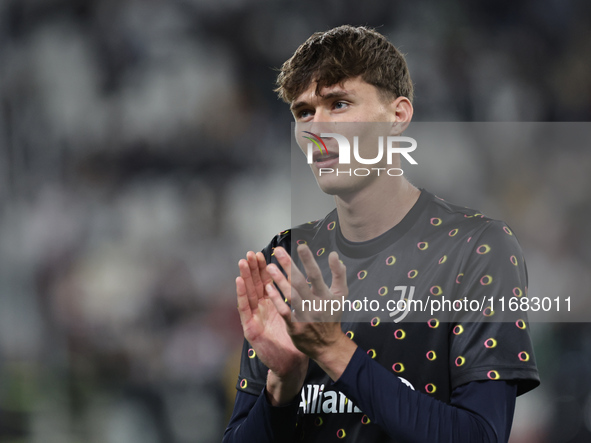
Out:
{"x": 403, "y": 110}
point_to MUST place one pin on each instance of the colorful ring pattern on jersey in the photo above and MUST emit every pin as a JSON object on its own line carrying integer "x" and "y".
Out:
{"x": 433, "y": 323}
{"x": 483, "y": 249}
{"x": 486, "y": 280}
{"x": 493, "y": 375}
{"x": 520, "y": 324}
{"x": 513, "y": 260}
{"x": 490, "y": 343}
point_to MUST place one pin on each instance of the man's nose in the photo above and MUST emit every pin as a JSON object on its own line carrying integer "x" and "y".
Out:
{"x": 321, "y": 115}
{"x": 322, "y": 122}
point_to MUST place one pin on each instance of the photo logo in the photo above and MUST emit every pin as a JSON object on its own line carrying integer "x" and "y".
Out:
{"x": 315, "y": 142}
{"x": 388, "y": 146}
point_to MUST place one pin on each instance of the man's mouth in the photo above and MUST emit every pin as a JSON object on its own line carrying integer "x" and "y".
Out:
{"x": 322, "y": 157}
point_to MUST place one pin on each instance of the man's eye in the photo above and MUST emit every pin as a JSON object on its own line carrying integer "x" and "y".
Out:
{"x": 304, "y": 114}
{"x": 340, "y": 105}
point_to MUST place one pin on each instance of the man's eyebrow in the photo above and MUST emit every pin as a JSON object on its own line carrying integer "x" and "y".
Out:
{"x": 297, "y": 105}
{"x": 327, "y": 96}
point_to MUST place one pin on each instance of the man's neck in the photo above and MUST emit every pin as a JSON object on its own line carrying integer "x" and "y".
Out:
{"x": 375, "y": 210}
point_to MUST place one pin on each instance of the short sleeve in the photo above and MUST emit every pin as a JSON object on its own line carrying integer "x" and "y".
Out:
{"x": 253, "y": 373}
{"x": 493, "y": 344}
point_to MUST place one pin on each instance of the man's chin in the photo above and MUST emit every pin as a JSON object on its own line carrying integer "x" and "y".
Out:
{"x": 330, "y": 190}
{"x": 334, "y": 187}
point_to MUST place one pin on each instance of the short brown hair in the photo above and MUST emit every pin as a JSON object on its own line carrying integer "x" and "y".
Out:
{"x": 341, "y": 53}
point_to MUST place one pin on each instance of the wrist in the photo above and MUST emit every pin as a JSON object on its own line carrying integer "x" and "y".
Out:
{"x": 281, "y": 389}
{"x": 334, "y": 359}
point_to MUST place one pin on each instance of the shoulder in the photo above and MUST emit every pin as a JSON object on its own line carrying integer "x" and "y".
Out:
{"x": 464, "y": 221}
{"x": 471, "y": 239}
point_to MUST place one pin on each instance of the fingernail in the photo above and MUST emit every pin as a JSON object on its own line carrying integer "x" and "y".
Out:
{"x": 279, "y": 252}
{"x": 269, "y": 287}
{"x": 272, "y": 269}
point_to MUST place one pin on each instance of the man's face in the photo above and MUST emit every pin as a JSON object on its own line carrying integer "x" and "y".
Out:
{"x": 355, "y": 102}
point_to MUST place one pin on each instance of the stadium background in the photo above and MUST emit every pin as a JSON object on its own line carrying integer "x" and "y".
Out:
{"x": 142, "y": 152}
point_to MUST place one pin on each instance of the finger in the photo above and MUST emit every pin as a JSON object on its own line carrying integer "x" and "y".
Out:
{"x": 280, "y": 281}
{"x": 284, "y": 260}
{"x": 248, "y": 284}
{"x": 262, "y": 263}
{"x": 243, "y": 305}
{"x": 255, "y": 274}
{"x": 292, "y": 296}
{"x": 298, "y": 283}
{"x": 297, "y": 312}
{"x": 312, "y": 270}
{"x": 282, "y": 307}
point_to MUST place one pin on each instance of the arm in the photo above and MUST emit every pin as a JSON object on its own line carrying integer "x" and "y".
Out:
{"x": 254, "y": 419}
{"x": 479, "y": 411}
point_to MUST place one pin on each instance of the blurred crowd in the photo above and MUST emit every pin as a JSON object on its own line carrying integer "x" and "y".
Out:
{"x": 143, "y": 152}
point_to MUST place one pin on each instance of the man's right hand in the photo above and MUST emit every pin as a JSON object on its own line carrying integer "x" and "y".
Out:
{"x": 266, "y": 330}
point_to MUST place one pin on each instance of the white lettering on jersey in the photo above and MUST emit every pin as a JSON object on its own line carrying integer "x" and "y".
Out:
{"x": 407, "y": 383}
{"x": 315, "y": 401}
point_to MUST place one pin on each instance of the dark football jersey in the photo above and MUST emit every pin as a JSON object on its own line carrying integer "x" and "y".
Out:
{"x": 437, "y": 252}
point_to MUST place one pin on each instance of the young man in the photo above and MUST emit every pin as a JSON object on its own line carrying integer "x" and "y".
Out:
{"x": 308, "y": 376}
